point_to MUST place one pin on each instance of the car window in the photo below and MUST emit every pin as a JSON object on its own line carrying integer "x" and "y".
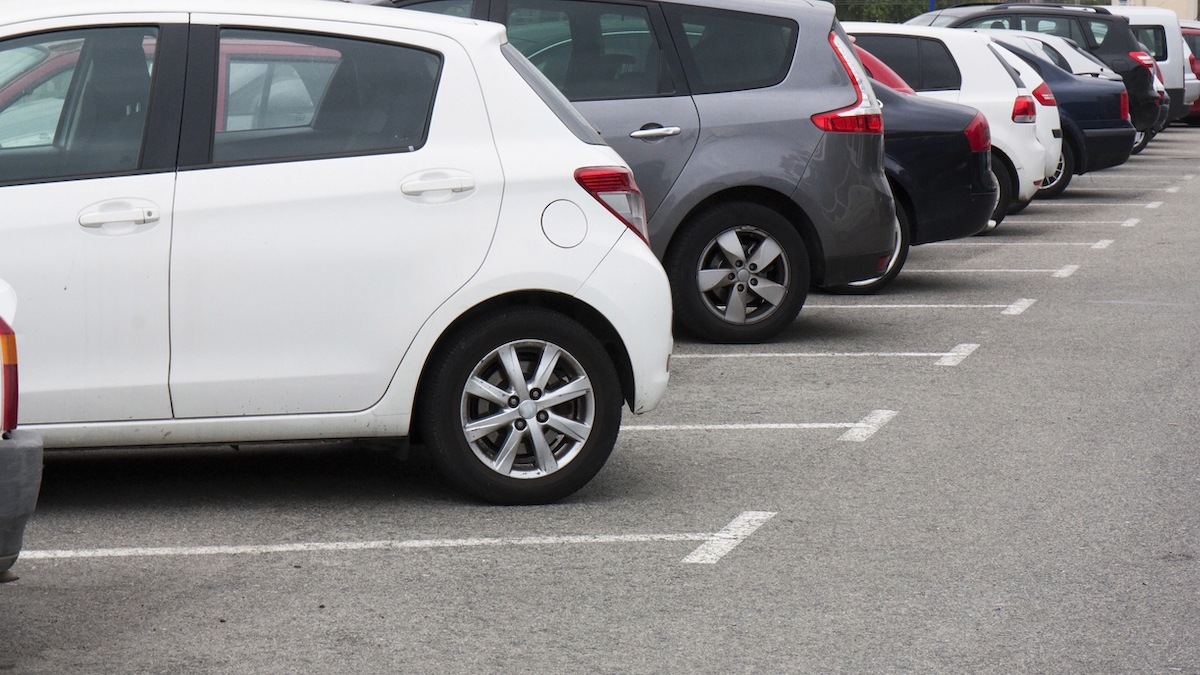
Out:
{"x": 1004, "y": 22}
{"x": 1193, "y": 41}
{"x": 591, "y": 50}
{"x": 1098, "y": 29}
{"x": 1051, "y": 25}
{"x": 1055, "y": 58}
{"x": 288, "y": 96}
{"x": 1155, "y": 39}
{"x": 731, "y": 51}
{"x": 461, "y": 8}
{"x": 897, "y": 51}
{"x": 938, "y": 70}
{"x": 101, "y": 131}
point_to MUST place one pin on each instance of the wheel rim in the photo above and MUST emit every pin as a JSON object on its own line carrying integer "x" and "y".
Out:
{"x": 527, "y": 409}
{"x": 1053, "y": 179}
{"x": 743, "y": 275}
{"x": 1138, "y": 137}
{"x": 898, "y": 240}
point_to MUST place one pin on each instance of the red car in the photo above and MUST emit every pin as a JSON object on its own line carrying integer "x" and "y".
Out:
{"x": 1191, "y": 35}
{"x": 20, "y": 451}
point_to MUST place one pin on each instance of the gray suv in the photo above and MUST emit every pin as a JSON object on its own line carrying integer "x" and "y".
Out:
{"x": 752, "y": 131}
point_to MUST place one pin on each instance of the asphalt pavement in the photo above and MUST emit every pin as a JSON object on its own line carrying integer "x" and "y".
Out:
{"x": 991, "y": 467}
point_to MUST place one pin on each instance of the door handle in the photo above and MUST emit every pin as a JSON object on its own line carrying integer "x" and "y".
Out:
{"x": 655, "y": 132}
{"x": 453, "y": 183}
{"x": 139, "y": 216}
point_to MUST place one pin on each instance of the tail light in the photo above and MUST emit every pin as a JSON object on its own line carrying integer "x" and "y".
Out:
{"x": 1044, "y": 95}
{"x": 863, "y": 117}
{"x": 8, "y": 378}
{"x": 1143, "y": 58}
{"x": 614, "y": 187}
{"x": 1024, "y": 110}
{"x": 979, "y": 134}
{"x": 1124, "y": 104}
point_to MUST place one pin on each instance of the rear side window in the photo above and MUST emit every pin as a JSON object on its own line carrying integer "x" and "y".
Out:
{"x": 1005, "y": 22}
{"x": 1193, "y": 42}
{"x": 461, "y": 8}
{"x": 1098, "y": 29}
{"x": 73, "y": 103}
{"x": 730, "y": 51}
{"x": 925, "y": 64}
{"x": 289, "y": 96}
{"x": 938, "y": 70}
{"x": 591, "y": 50}
{"x": 1062, "y": 26}
{"x": 1057, "y": 59}
{"x": 1155, "y": 39}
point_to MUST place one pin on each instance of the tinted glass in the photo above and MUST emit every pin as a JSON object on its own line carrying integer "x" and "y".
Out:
{"x": 590, "y": 50}
{"x": 100, "y": 131}
{"x": 1155, "y": 39}
{"x": 1193, "y": 42}
{"x": 286, "y": 96}
{"x": 730, "y": 51}
{"x": 1051, "y": 25}
{"x": 1055, "y": 58}
{"x": 461, "y": 8}
{"x": 938, "y": 70}
{"x": 898, "y": 52}
{"x": 1098, "y": 29}
{"x": 1005, "y": 22}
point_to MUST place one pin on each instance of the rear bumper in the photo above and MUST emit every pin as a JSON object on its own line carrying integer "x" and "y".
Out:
{"x": 845, "y": 269}
{"x": 1106, "y": 147}
{"x": 20, "y": 481}
{"x": 975, "y": 202}
{"x": 1179, "y": 105}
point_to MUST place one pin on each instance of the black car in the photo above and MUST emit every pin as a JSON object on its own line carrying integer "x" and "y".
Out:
{"x": 1105, "y": 35}
{"x": 1096, "y": 133}
{"x": 937, "y": 157}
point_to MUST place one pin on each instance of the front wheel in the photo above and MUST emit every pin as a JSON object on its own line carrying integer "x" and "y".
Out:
{"x": 521, "y": 407}
{"x": 1056, "y": 183}
{"x": 903, "y": 237}
{"x": 739, "y": 273}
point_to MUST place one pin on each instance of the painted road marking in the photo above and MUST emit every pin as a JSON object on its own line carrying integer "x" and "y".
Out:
{"x": 1173, "y": 188}
{"x": 715, "y": 544}
{"x": 1065, "y": 272}
{"x": 943, "y": 356}
{"x": 1154, "y": 205}
{"x": 1099, "y": 204}
{"x": 1057, "y": 273}
{"x": 1103, "y": 243}
{"x": 1070, "y": 222}
{"x": 856, "y": 431}
{"x": 721, "y": 543}
{"x": 1012, "y": 308}
{"x": 1131, "y": 222}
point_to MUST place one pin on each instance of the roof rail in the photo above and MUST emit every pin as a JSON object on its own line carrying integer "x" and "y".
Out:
{"x": 972, "y": 4}
{"x": 1098, "y": 9}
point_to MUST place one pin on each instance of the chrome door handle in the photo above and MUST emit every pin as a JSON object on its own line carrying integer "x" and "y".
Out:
{"x": 138, "y": 216}
{"x": 656, "y": 132}
{"x": 454, "y": 184}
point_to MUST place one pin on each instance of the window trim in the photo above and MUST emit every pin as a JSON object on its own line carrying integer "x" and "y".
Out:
{"x": 691, "y": 71}
{"x": 921, "y": 40}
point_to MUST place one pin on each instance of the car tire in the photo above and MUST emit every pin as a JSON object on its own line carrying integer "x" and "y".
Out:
{"x": 1140, "y": 140}
{"x": 1192, "y": 121}
{"x": 1000, "y": 172}
{"x": 739, "y": 273}
{"x": 1054, "y": 185}
{"x": 899, "y": 256}
{"x": 565, "y": 389}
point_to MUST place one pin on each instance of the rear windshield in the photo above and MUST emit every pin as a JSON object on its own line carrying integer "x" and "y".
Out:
{"x": 552, "y": 97}
{"x": 1155, "y": 39}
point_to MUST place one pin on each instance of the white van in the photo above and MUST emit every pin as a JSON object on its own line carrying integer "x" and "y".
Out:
{"x": 1158, "y": 30}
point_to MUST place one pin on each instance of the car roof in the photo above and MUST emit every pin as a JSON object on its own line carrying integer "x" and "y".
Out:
{"x": 463, "y": 30}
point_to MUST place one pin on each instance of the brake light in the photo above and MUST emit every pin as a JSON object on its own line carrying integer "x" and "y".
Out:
{"x": 1143, "y": 58}
{"x": 614, "y": 187}
{"x": 865, "y": 115}
{"x": 979, "y": 134}
{"x": 1024, "y": 110}
{"x": 1044, "y": 95}
{"x": 8, "y": 378}
{"x": 1124, "y": 104}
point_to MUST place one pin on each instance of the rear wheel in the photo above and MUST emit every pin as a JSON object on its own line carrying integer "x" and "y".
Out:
{"x": 1140, "y": 140}
{"x": 521, "y": 407}
{"x": 1055, "y": 184}
{"x": 903, "y": 237}
{"x": 739, "y": 273}
{"x": 1000, "y": 172}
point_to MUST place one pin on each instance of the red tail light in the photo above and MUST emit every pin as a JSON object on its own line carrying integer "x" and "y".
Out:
{"x": 1144, "y": 59}
{"x": 8, "y": 378}
{"x": 1124, "y": 104}
{"x": 1044, "y": 95}
{"x": 614, "y": 187}
{"x": 1024, "y": 110}
{"x": 865, "y": 115}
{"x": 979, "y": 134}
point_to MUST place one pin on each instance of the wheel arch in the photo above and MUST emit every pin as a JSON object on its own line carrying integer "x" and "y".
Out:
{"x": 564, "y": 304}
{"x": 904, "y": 199}
{"x": 1008, "y": 166}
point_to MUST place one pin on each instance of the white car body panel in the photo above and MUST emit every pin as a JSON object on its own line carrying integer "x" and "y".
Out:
{"x": 986, "y": 86}
{"x": 1049, "y": 126}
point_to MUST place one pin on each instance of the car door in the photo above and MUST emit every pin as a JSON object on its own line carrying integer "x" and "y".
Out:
{"x": 334, "y": 190}
{"x": 87, "y": 179}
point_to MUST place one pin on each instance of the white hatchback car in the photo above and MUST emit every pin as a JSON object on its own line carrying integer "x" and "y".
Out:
{"x": 965, "y": 67}
{"x": 234, "y": 221}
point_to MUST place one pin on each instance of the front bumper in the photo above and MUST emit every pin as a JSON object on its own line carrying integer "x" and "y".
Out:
{"x": 20, "y": 481}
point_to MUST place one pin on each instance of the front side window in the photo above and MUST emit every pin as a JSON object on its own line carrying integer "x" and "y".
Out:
{"x": 73, "y": 103}
{"x": 591, "y": 50}
{"x": 732, "y": 51}
{"x": 289, "y": 96}
{"x": 998, "y": 22}
{"x": 1155, "y": 39}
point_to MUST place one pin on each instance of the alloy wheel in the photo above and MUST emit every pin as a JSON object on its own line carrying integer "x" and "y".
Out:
{"x": 743, "y": 275}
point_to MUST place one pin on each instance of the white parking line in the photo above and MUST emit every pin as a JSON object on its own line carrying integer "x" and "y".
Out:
{"x": 1131, "y": 222}
{"x": 721, "y": 543}
{"x": 1154, "y": 205}
{"x": 1073, "y": 222}
{"x": 1103, "y": 243}
{"x": 716, "y": 544}
{"x": 1011, "y": 308}
{"x": 1066, "y": 271}
{"x": 956, "y": 355}
{"x": 1173, "y": 188}
{"x": 1057, "y": 273}
{"x": 856, "y": 431}
{"x": 954, "y": 351}
{"x": 1097, "y": 204}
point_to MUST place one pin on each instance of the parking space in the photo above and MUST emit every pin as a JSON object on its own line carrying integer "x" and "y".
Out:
{"x": 989, "y": 467}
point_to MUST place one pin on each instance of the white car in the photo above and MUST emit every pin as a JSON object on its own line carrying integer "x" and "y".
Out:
{"x": 20, "y": 450}
{"x": 350, "y": 222}
{"x": 1049, "y": 125}
{"x": 966, "y": 67}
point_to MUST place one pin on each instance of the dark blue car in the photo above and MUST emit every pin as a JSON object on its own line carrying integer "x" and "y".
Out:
{"x": 1094, "y": 114}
